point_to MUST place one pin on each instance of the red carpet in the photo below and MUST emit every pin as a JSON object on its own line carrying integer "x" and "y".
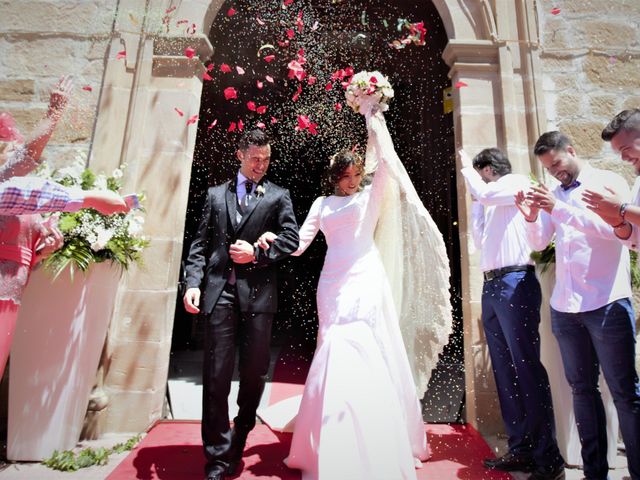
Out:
{"x": 172, "y": 450}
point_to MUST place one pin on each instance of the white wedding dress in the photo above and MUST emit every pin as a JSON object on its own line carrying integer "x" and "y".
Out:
{"x": 359, "y": 417}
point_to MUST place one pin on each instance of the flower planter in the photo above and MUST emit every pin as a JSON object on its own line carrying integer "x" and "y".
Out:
{"x": 60, "y": 333}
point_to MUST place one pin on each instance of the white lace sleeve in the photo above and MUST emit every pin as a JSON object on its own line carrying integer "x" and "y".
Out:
{"x": 406, "y": 226}
{"x": 310, "y": 227}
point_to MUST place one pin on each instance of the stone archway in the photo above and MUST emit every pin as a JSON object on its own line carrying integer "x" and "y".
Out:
{"x": 492, "y": 48}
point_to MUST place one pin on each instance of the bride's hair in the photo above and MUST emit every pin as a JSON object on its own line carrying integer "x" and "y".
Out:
{"x": 338, "y": 163}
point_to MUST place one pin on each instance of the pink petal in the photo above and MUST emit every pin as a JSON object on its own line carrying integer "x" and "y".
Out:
{"x": 232, "y": 127}
{"x": 262, "y": 109}
{"x": 240, "y": 70}
{"x": 189, "y": 52}
{"x": 169, "y": 10}
{"x": 210, "y": 67}
{"x": 338, "y": 107}
{"x": 240, "y": 125}
{"x": 328, "y": 86}
{"x": 206, "y": 76}
{"x": 259, "y": 84}
{"x": 297, "y": 94}
{"x": 230, "y": 93}
{"x": 269, "y": 78}
{"x": 286, "y": 3}
{"x": 121, "y": 54}
{"x": 311, "y": 80}
{"x": 213, "y": 124}
{"x": 260, "y": 21}
{"x": 231, "y": 12}
{"x": 291, "y": 33}
{"x": 224, "y": 68}
{"x": 251, "y": 105}
{"x": 192, "y": 119}
{"x": 179, "y": 112}
{"x": 460, "y": 85}
{"x": 261, "y": 125}
{"x": 274, "y": 120}
{"x": 269, "y": 58}
{"x": 87, "y": 88}
{"x": 284, "y": 43}
{"x": 555, "y": 11}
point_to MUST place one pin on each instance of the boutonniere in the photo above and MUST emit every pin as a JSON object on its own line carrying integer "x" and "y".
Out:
{"x": 260, "y": 190}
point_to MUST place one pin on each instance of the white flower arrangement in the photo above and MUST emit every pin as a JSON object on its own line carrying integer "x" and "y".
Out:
{"x": 368, "y": 91}
{"x": 260, "y": 190}
{"x": 89, "y": 236}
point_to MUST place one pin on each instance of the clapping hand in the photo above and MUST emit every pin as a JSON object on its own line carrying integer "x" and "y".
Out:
{"x": 541, "y": 198}
{"x": 526, "y": 207}
{"x": 605, "y": 206}
{"x": 265, "y": 239}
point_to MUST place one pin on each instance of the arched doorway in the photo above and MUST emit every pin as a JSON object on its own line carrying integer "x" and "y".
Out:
{"x": 348, "y": 34}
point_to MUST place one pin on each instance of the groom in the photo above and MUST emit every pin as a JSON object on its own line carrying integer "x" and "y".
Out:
{"x": 240, "y": 295}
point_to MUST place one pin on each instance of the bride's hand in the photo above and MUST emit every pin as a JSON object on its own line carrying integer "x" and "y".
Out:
{"x": 265, "y": 239}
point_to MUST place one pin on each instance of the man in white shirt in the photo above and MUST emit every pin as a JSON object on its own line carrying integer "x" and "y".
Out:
{"x": 511, "y": 299}
{"x": 591, "y": 313}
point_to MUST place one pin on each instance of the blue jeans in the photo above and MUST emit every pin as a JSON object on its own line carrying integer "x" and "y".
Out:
{"x": 511, "y": 316}
{"x": 588, "y": 340}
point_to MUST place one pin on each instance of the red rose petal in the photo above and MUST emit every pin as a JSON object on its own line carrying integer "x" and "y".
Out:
{"x": 179, "y": 112}
{"x": 87, "y": 88}
{"x": 269, "y": 58}
{"x": 210, "y": 67}
{"x": 286, "y": 3}
{"x": 251, "y": 105}
{"x": 291, "y": 33}
{"x": 261, "y": 125}
{"x": 460, "y": 85}
{"x": 274, "y": 120}
{"x": 224, "y": 68}
{"x": 232, "y": 127}
{"x": 259, "y": 84}
{"x": 240, "y": 125}
{"x": 311, "y": 80}
{"x": 555, "y": 11}
{"x": 338, "y": 107}
{"x": 262, "y": 109}
{"x": 192, "y": 119}
{"x": 230, "y": 93}
{"x": 328, "y": 86}
{"x": 206, "y": 76}
{"x": 213, "y": 124}
{"x": 231, "y": 12}
{"x": 121, "y": 54}
{"x": 189, "y": 52}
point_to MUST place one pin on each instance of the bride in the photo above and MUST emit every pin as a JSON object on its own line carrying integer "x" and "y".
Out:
{"x": 360, "y": 417}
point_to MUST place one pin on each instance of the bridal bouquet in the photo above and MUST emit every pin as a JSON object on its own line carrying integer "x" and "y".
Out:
{"x": 89, "y": 236}
{"x": 368, "y": 90}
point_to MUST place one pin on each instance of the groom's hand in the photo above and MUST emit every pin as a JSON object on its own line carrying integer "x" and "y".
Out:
{"x": 241, "y": 252}
{"x": 191, "y": 300}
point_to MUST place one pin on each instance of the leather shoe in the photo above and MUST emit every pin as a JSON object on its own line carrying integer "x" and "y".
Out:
{"x": 233, "y": 467}
{"x": 216, "y": 475}
{"x": 548, "y": 473}
{"x": 510, "y": 462}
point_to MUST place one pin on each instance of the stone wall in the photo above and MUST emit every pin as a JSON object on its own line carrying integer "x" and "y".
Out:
{"x": 39, "y": 42}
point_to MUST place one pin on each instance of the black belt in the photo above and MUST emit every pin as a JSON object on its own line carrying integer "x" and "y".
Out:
{"x": 498, "y": 272}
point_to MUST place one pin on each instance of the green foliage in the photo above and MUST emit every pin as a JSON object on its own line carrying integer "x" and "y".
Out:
{"x": 68, "y": 461}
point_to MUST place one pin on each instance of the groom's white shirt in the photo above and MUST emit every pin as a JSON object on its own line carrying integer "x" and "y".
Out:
{"x": 498, "y": 228}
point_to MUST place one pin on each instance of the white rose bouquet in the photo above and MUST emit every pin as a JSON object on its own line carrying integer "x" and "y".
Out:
{"x": 89, "y": 236}
{"x": 369, "y": 92}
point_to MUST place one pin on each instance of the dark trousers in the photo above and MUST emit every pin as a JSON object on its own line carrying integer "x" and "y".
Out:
{"x": 589, "y": 340}
{"x": 225, "y": 328}
{"x": 511, "y": 316}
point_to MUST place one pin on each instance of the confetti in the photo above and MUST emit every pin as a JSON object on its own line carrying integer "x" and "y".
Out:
{"x": 87, "y": 88}
{"x": 555, "y": 11}
{"x": 269, "y": 58}
{"x": 230, "y": 93}
{"x": 192, "y": 119}
{"x": 231, "y": 12}
{"x": 213, "y": 124}
{"x": 251, "y": 105}
{"x": 261, "y": 110}
{"x": 121, "y": 54}
{"x": 224, "y": 68}
{"x": 240, "y": 70}
{"x": 460, "y": 85}
{"x": 189, "y": 52}
{"x": 179, "y": 112}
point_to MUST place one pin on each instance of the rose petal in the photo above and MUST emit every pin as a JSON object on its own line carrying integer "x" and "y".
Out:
{"x": 240, "y": 70}
{"x": 261, "y": 110}
{"x": 274, "y": 120}
{"x": 213, "y": 124}
{"x": 296, "y": 95}
{"x": 460, "y": 85}
{"x": 251, "y": 105}
{"x": 555, "y": 11}
{"x": 269, "y": 78}
{"x": 338, "y": 107}
{"x": 210, "y": 67}
{"x": 328, "y": 86}
{"x": 224, "y": 68}
{"x": 231, "y": 12}
{"x": 260, "y": 21}
{"x": 192, "y": 119}
{"x": 240, "y": 125}
{"x": 179, "y": 112}
{"x": 269, "y": 58}
{"x": 283, "y": 44}
{"x": 311, "y": 80}
{"x": 189, "y": 52}
{"x": 261, "y": 125}
{"x": 232, "y": 127}
{"x": 121, "y": 54}
{"x": 230, "y": 93}
{"x": 206, "y": 76}
{"x": 259, "y": 84}
{"x": 286, "y": 3}
{"x": 87, "y": 88}
{"x": 291, "y": 33}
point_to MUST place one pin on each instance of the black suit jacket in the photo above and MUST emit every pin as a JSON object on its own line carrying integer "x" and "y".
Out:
{"x": 209, "y": 264}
